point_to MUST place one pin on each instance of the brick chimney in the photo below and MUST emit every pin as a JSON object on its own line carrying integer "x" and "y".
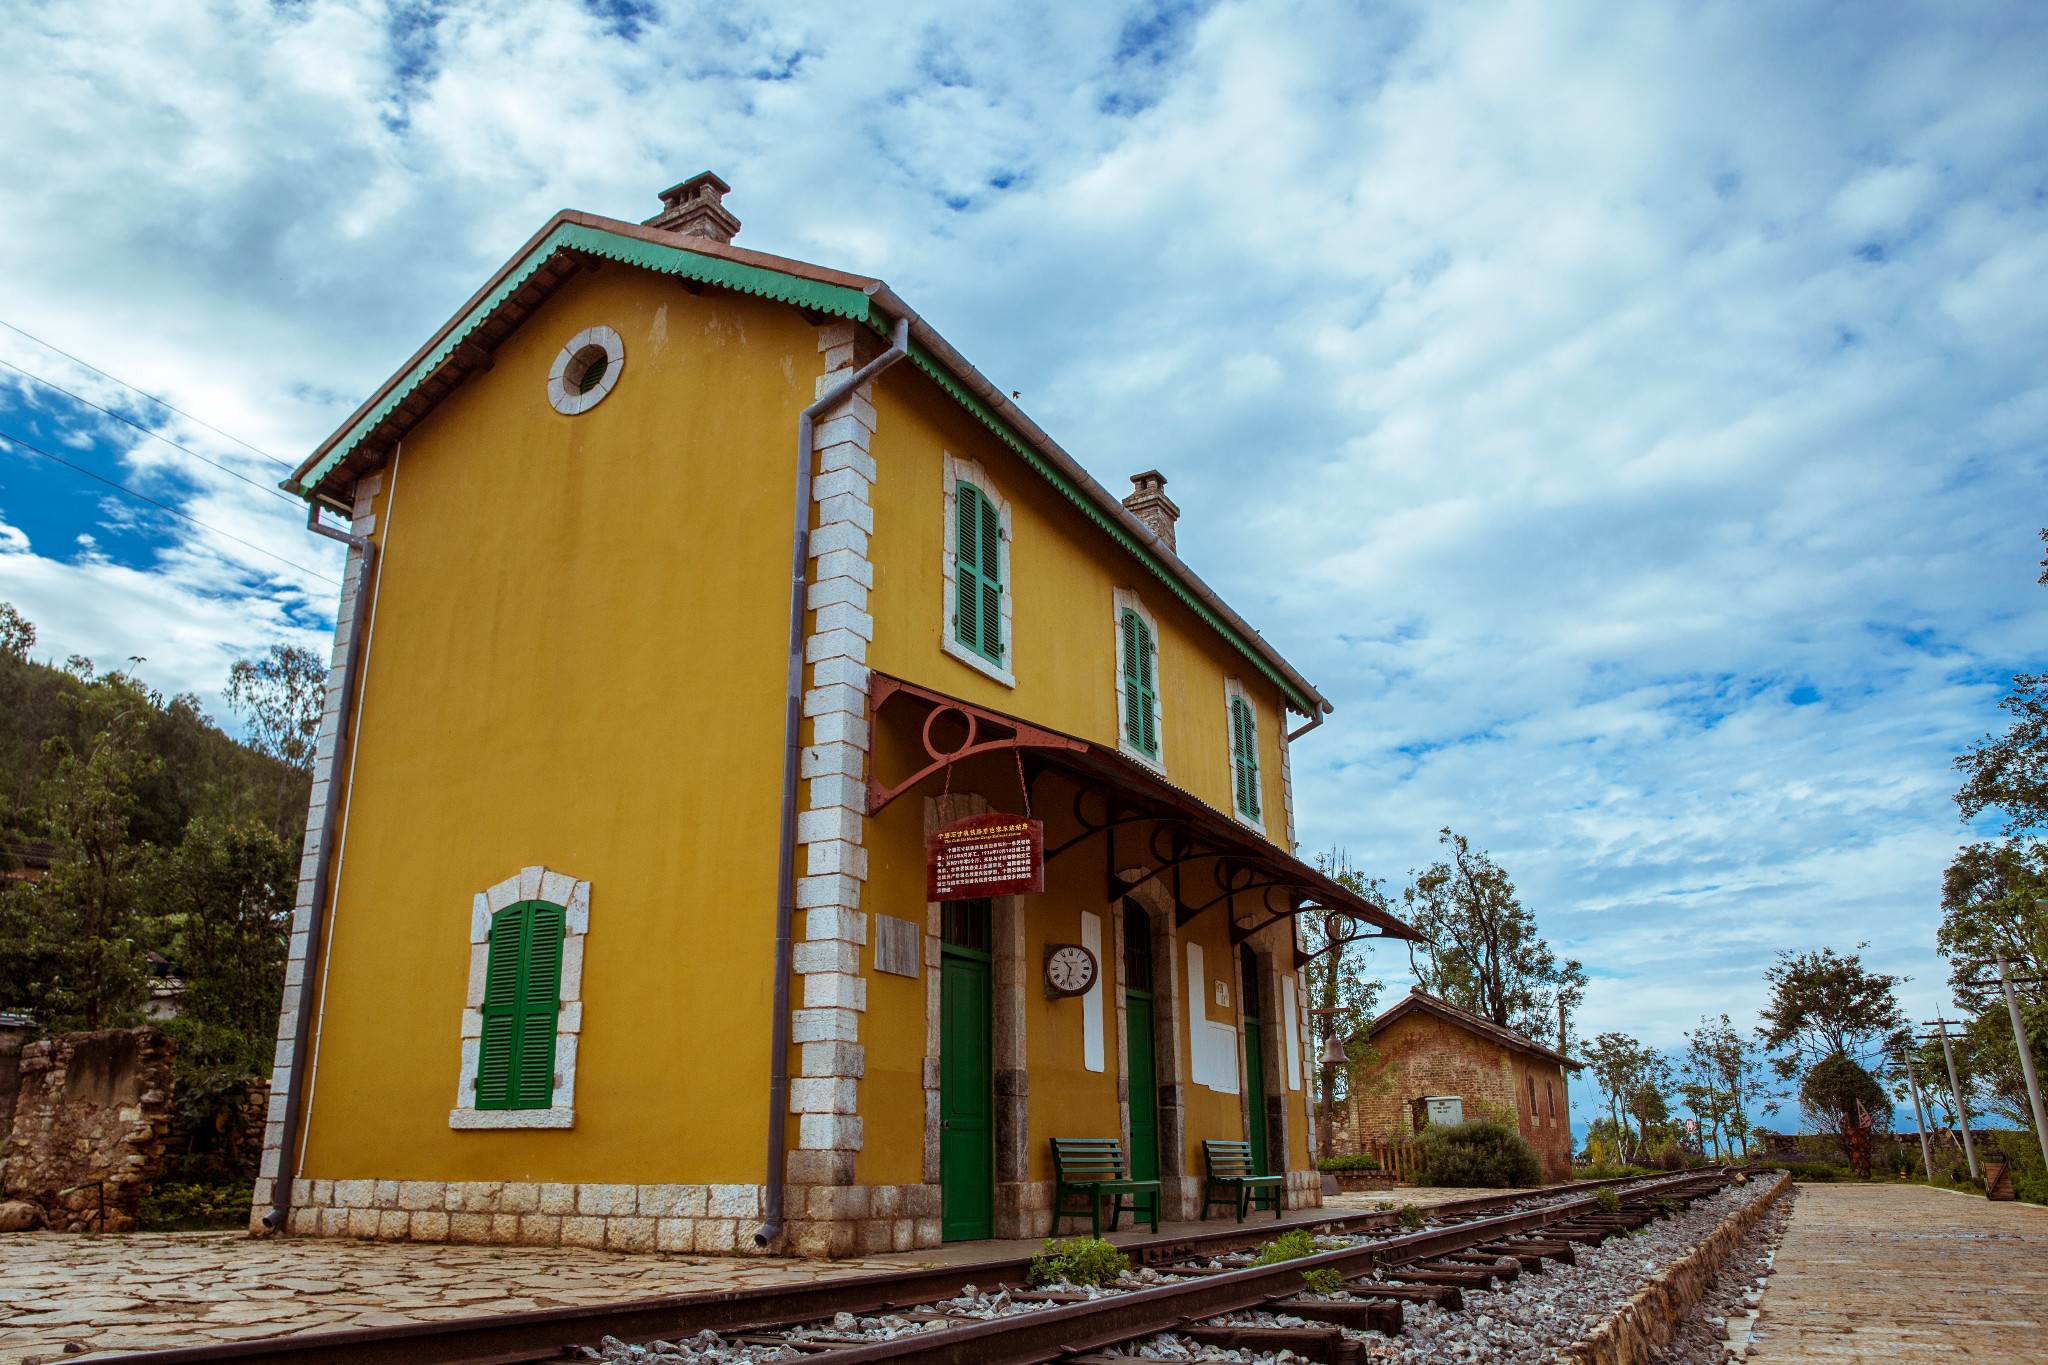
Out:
{"x": 1149, "y": 503}
{"x": 694, "y": 209}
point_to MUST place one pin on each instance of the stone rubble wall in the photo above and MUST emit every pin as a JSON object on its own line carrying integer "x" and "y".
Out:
{"x": 1641, "y": 1328}
{"x": 89, "y": 1126}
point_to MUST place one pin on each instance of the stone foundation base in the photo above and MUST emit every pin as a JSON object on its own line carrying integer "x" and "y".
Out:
{"x": 716, "y": 1219}
{"x": 832, "y": 1221}
{"x": 819, "y": 1221}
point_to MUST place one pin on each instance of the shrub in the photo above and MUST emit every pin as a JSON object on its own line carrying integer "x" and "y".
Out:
{"x": 1475, "y": 1155}
{"x": 1290, "y": 1245}
{"x": 1411, "y": 1216}
{"x": 2032, "y": 1187}
{"x": 1357, "y": 1161}
{"x": 1608, "y": 1200}
{"x": 1816, "y": 1171}
{"x": 172, "y": 1206}
{"x": 1078, "y": 1260}
{"x": 1328, "y": 1280}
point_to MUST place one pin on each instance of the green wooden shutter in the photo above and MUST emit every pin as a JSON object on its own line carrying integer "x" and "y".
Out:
{"x": 501, "y": 1013}
{"x": 1244, "y": 756}
{"x": 1141, "y": 696}
{"x": 967, "y": 566}
{"x": 978, "y": 573}
{"x": 991, "y": 582}
{"x": 522, "y": 996}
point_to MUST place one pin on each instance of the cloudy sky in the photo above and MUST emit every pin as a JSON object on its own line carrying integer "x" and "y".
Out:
{"x": 1631, "y": 416}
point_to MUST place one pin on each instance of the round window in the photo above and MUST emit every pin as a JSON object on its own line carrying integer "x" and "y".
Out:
{"x": 586, "y": 370}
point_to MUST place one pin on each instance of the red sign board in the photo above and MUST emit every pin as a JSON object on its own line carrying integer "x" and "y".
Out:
{"x": 985, "y": 855}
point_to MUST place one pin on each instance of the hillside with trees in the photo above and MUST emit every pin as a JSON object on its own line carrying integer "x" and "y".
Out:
{"x": 148, "y": 856}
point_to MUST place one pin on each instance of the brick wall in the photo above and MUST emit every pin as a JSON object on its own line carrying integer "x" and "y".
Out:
{"x": 1423, "y": 1055}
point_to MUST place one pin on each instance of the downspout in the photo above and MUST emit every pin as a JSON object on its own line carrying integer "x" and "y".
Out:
{"x": 323, "y": 860}
{"x": 1315, "y": 719}
{"x": 785, "y": 869}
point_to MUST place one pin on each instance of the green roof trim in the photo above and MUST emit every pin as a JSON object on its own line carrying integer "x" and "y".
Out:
{"x": 924, "y": 360}
{"x": 835, "y": 299}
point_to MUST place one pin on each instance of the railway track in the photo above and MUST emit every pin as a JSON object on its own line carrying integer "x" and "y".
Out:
{"x": 985, "y": 1312}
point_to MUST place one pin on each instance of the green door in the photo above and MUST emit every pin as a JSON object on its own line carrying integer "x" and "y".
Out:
{"x": 1138, "y": 1042}
{"x": 966, "y": 1131}
{"x": 1144, "y": 1086}
{"x": 1255, "y": 1094}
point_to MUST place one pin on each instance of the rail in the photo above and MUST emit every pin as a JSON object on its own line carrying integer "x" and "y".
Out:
{"x": 544, "y": 1334}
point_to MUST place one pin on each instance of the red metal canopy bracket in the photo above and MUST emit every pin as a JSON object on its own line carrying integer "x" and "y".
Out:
{"x": 1020, "y": 736}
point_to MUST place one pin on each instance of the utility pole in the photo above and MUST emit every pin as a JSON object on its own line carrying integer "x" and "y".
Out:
{"x": 1955, "y": 1090}
{"x": 1919, "y": 1115}
{"x": 2019, "y": 1038}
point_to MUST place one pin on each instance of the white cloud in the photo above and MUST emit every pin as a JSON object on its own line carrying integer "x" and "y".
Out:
{"x": 1572, "y": 392}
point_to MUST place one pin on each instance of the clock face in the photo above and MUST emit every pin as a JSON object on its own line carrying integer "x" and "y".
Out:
{"x": 1069, "y": 969}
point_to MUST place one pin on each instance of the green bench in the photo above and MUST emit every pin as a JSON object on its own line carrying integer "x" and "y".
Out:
{"x": 1090, "y": 1168}
{"x": 1231, "y": 1181}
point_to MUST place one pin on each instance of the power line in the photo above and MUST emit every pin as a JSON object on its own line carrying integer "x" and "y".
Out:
{"x": 144, "y": 497}
{"x": 150, "y": 396}
{"x": 146, "y": 431}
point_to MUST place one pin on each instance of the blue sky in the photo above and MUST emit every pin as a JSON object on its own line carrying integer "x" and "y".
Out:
{"x": 1632, "y": 418}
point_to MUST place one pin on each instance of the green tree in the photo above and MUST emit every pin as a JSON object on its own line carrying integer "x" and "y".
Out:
{"x": 17, "y": 634}
{"x": 1834, "y": 1086}
{"x": 220, "y": 906}
{"x": 1635, "y": 1081}
{"x": 280, "y": 697}
{"x": 1722, "y": 1081}
{"x": 1823, "y": 1002}
{"x": 1990, "y": 903}
{"x": 70, "y": 947}
{"x": 1484, "y": 953}
{"x": 1341, "y": 995}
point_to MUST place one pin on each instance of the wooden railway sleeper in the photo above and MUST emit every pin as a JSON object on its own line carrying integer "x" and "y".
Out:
{"x": 1366, "y": 1315}
{"x": 1449, "y": 1297}
{"x": 1326, "y": 1344}
{"x": 1494, "y": 1263}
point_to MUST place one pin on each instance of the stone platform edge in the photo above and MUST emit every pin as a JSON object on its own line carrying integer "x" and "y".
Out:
{"x": 1645, "y": 1325}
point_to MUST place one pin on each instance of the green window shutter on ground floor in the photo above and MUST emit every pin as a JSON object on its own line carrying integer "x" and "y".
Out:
{"x": 522, "y": 997}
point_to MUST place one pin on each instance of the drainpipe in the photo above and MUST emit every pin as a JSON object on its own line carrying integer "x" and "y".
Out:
{"x": 323, "y": 860}
{"x": 785, "y": 869}
{"x": 1315, "y": 719}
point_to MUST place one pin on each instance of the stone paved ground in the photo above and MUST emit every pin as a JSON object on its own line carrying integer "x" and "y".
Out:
{"x": 1906, "y": 1273}
{"x": 149, "y": 1291}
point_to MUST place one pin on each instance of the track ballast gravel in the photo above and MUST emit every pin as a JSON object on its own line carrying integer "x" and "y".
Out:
{"x": 1525, "y": 1323}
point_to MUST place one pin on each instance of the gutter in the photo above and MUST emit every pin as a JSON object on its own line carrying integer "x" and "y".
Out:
{"x": 792, "y": 748}
{"x": 323, "y": 861}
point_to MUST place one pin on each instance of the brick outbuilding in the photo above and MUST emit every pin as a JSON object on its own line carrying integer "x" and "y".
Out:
{"x": 1429, "y": 1047}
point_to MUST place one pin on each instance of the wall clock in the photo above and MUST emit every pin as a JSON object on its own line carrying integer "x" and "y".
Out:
{"x": 1070, "y": 969}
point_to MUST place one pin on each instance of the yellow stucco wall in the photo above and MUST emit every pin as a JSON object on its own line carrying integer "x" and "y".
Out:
{"x": 577, "y": 660}
{"x": 1065, "y": 571}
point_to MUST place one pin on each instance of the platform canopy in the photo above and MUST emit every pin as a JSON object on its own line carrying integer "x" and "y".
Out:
{"x": 1149, "y": 831}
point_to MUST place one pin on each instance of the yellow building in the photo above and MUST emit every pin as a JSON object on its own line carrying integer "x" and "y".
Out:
{"x": 613, "y": 924}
